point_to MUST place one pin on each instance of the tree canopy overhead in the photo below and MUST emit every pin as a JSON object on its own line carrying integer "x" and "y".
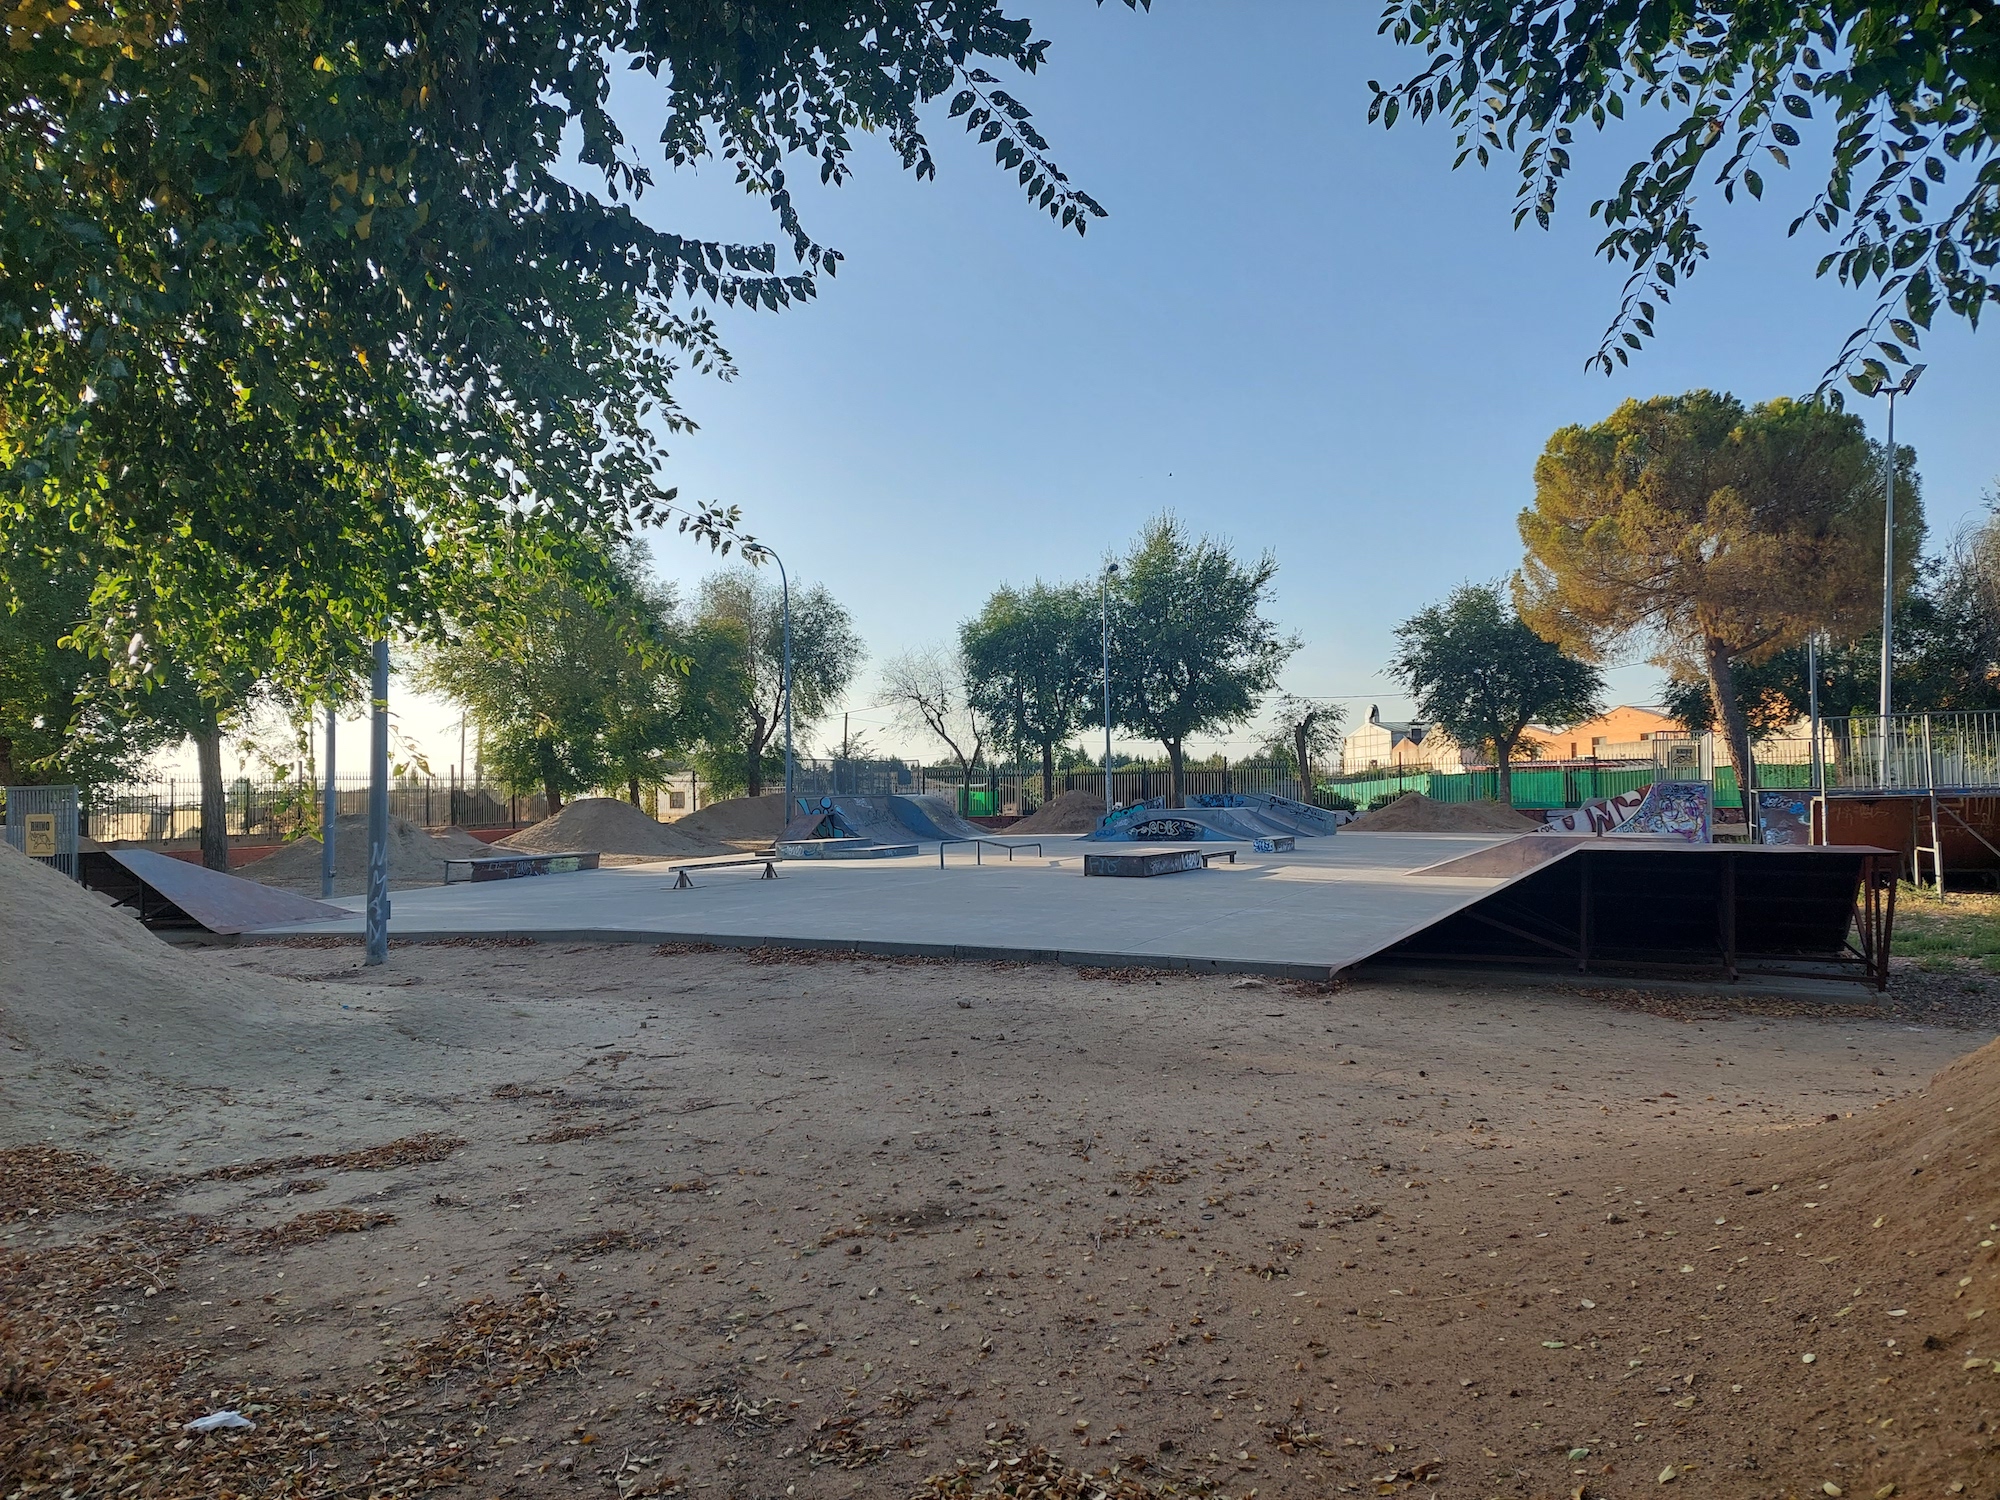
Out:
{"x": 299, "y": 313}
{"x": 1906, "y": 97}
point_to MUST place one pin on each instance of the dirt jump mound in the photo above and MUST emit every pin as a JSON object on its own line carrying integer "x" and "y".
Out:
{"x": 738, "y": 822}
{"x": 415, "y": 858}
{"x": 1413, "y": 812}
{"x": 1072, "y": 812}
{"x": 609, "y": 826}
{"x": 90, "y": 993}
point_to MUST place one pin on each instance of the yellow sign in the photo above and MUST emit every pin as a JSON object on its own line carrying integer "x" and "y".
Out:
{"x": 41, "y": 841}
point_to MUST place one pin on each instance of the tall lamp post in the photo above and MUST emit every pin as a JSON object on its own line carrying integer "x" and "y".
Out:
{"x": 1104, "y": 605}
{"x": 762, "y": 549}
{"x": 1883, "y": 388}
{"x": 330, "y": 804}
{"x": 378, "y": 811}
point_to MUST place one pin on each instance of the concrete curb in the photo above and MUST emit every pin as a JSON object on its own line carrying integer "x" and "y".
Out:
{"x": 870, "y": 948}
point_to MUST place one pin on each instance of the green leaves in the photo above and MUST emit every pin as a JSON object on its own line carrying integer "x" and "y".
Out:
{"x": 304, "y": 320}
{"x": 1483, "y": 677}
{"x": 1518, "y": 77}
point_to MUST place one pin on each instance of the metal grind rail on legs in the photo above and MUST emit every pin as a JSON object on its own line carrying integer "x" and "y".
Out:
{"x": 979, "y": 848}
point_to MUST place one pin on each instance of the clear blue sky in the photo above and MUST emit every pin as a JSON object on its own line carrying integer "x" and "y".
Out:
{"x": 1301, "y": 332}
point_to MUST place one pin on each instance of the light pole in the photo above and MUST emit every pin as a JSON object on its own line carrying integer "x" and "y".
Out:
{"x": 761, "y": 549}
{"x": 378, "y": 811}
{"x": 1104, "y": 604}
{"x": 1883, "y": 388}
{"x": 330, "y": 802}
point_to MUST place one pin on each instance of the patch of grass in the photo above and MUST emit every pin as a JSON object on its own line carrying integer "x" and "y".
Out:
{"x": 1961, "y": 931}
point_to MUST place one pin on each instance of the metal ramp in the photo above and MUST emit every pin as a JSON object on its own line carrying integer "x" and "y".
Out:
{"x": 170, "y": 894}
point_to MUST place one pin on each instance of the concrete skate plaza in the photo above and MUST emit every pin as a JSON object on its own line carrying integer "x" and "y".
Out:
{"x": 1304, "y": 913}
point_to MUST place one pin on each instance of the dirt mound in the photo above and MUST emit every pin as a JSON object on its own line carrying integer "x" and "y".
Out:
{"x": 738, "y": 823}
{"x": 1072, "y": 812}
{"x": 415, "y": 858}
{"x": 608, "y": 825}
{"x": 1915, "y": 1179}
{"x": 89, "y": 988}
{"x": 1413, "y": 812}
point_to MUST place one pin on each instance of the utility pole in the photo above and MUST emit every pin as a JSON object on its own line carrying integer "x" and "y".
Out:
{"x": 1883, "y": 388}
{"x": 378, "y": 811}
{"x": 329, "y": 802}
{"x": 1104, "y": 601}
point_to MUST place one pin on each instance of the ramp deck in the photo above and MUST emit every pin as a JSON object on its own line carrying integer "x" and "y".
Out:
{"x": 172, "y": 895}
{"x": 1310, "y": 913}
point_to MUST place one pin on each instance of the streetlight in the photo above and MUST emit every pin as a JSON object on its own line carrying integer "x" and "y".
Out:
{"x": 761, "y": 549}
{"x": 1882, "y": 388}
{"x": 1104, "y": 603}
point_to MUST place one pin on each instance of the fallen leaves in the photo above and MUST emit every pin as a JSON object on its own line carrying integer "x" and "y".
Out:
{"x": 507, "y": 1345}
{"x": 309, "y": 1229}
{"x": 41, "y": 1181}
{"x": 410, "y": 1150}
{"x": 728, "y": 1408}
{"x": 1037, "y": 1474}
{"x": 837, "y": 1440}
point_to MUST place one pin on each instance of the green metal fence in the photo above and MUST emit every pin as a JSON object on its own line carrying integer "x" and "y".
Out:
{"x": 1550, "y": 787}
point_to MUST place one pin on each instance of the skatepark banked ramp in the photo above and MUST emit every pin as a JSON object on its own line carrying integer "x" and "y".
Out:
{"x": 1666, "y": 908}
{"x": 1225, "y": 815}
{"x": 884, "y": 822}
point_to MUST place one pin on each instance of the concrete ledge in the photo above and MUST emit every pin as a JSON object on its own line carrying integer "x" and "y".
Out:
{"x": 1141, "y": 863}
{"x": 842, "y": 849}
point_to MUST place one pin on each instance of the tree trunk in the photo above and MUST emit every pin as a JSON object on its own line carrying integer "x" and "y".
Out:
{"x": 214, "y": 800}
{"x": 1048, "y": 771}
{"x": 632, "y": 789}
{"x": 1735, "y": 726}
{"x": 549, "y": 791}
{"x": 1177, "y": 780}
{"x": 753, "y": 770}
{"x": 1503, "y": 772}
{"x": 1301, "y": 750}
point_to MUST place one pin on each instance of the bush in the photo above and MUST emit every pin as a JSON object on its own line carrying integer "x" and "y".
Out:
{"x": 1334, "y": 802}
{"x": 1383, "y": 800}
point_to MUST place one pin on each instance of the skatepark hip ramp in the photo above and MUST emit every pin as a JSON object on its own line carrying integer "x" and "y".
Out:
{"x": 865, "y": 824}
{"x": 1236, "y": 816}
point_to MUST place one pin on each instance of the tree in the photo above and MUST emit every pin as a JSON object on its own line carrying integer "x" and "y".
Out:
{"x": 1714, "y": 534}
{"x": 573, "y": 679}
{"x": 1191, "y": 651}
{"x": 1034, "y": 662}
{"x": 1483, "y": 677}
{"x": 688, "y": 694}
{"x": 308, "y": 314}
{"x": 63, "y": 720}
{"x": 932, "y": 693}
{"x": 1908, "y": 91}
{"x": 1945, "y": 645}
{"x": 826, "y": 653}
{"x": 1303, "y": 732}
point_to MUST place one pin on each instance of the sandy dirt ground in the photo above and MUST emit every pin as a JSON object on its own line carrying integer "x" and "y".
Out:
{"x": 534, "y": 1221}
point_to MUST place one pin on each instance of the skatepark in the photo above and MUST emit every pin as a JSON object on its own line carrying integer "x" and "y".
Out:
{"x": 1261, "y": 886}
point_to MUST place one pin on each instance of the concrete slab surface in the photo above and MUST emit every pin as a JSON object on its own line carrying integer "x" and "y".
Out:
{"x": 1305, "y": 912}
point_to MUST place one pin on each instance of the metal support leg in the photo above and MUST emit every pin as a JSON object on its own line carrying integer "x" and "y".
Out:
{"x": 1728, "y": 916}
{"x": 1583, "y": 913}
